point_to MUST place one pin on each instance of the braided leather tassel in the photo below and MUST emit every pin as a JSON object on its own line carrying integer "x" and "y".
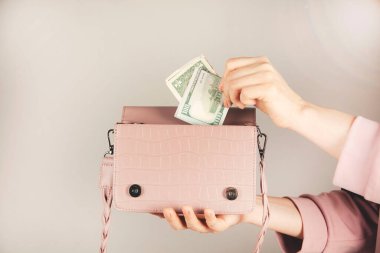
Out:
{"x": 266, "y": 213}
{"x": 107, "y": 202}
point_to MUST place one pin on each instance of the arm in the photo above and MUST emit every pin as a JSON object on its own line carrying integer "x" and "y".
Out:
{"x": 284, "y": 218}
{"x": 254, "y": 81}
{"x": 336, "y": 221}
{"x": 326, "y": 128}
{"x": 354, "y": 141}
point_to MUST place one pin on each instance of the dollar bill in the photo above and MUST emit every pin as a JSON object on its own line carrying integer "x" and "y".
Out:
{"x": 179, "y": 80}
{"x": 202, "y": 103}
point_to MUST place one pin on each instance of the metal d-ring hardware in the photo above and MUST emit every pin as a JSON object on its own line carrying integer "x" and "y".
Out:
{"x": 110, "y": 151}
{"x": 261, "y": 135}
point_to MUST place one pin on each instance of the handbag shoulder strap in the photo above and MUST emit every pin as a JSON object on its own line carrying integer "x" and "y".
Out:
{"x": 377, "y": 250}
{"x": 106, "y": 188}
{"x": 261, "y": 143}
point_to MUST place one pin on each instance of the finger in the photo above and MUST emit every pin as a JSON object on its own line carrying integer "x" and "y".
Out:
{"x": 249, "y": 70}
{"x": 235, "y": 98}
{"x": 226, "y": 95}
{"x": 231, "y": 64}
{"x": 239, "y": 62}
{"x": 246, "y": 100}
{"x": 214, "y": 223}
{"x": 221, "y": 89}
{"x": 160, "y": 215}
{"x": 173, "y": 219}
{"x": 237, "y": 84}
{"x": 235, "y": 63}
{"x": 226, "y": 98}
{"x": 228, "y": 101}
{"x": 254, "y": 93}
{"x": 250, "y": 80}
{"x": 230, "y": 219}
{"x": 192, "y": 220}
{"x": 220, "y": 86}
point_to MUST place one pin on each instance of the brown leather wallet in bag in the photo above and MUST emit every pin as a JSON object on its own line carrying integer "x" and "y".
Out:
{"x": 159, "y": 161}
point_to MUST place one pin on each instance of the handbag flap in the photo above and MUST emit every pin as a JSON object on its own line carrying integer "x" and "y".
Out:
{"x": 165, "y": 115}
{"x": 177, "y": 165}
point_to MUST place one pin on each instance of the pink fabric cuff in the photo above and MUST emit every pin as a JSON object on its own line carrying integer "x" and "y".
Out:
{"x": 314, "y": 229}
{"x": 358, "y": 168}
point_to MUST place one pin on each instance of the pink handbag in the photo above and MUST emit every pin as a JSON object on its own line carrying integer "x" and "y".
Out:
{"x": 159, "y": 161}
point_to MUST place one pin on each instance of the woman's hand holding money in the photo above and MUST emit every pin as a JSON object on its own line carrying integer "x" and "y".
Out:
{"x": 254, "y": 81}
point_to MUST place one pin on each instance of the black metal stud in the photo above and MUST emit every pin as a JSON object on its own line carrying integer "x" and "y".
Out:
{"x": 231, "y": 193}
{"x": 135, "y": 190}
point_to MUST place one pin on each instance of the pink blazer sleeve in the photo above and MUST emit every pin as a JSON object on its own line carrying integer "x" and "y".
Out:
{"x": 358, "y": 168}
{"x": 346, "y": 220}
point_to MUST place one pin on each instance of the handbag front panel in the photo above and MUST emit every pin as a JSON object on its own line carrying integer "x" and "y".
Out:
{"x": 158, "y": 166}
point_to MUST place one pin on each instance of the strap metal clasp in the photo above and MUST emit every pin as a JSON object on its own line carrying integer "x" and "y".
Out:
{"x": 263, "y": 137}
{"x": 111, "y": 146}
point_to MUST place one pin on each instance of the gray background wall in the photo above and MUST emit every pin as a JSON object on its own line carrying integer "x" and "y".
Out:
{"x": 68, "y": 67}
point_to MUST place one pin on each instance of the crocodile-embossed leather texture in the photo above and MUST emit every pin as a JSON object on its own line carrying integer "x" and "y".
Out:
{"x": 178, "y": 165}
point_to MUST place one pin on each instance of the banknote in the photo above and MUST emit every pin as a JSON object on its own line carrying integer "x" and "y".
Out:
{"x": 201, "y": 103}
{"x": 178, "y": 81}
